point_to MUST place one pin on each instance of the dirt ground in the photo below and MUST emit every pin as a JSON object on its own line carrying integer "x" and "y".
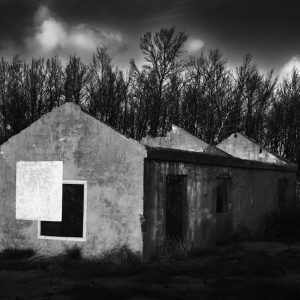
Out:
{"x": 243, "y": 271}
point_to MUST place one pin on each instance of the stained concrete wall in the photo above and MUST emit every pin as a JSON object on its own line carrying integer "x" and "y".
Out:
{"x": 240, "y": 146}
{"x": 252, "y": 194}
{"x": 180, "y": 139}
{"x": 111, "y": 164}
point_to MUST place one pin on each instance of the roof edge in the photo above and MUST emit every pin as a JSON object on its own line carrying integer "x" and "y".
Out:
{"x": 78, "y": 108}
{"x": 164, "y": 154}
{"x": 285, "y": 160}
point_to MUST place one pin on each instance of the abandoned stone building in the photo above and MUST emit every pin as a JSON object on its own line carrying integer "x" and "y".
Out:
{"x": 70, "y": 179}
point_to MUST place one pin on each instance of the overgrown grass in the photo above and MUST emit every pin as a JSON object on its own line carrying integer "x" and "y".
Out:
{"x": 221, "y": 272}
{"x": 116, "y": 292}
{"x": 119, "y": 261}
{"x": 119, "y": 255}
{"x": 230, "y": 272}
{"x": 171, "y": 250}
{"x": 73, "y": 252}
{"x": 283, "y": 225}
{"x": 218, "y": 289}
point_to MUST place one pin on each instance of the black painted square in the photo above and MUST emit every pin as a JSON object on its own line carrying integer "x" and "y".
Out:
{"x": 72, "y": 214}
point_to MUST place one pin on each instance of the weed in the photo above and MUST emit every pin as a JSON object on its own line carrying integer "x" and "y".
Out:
{"x": 73, "y": 252}
{"x": 16, "y": 253}
{"x": 114, "y": 262}
{"x": 119, "y": 255}
{"x": 171, "y": 250}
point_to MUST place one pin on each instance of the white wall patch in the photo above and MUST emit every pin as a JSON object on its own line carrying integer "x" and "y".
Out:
{"x": 39, "y": 190}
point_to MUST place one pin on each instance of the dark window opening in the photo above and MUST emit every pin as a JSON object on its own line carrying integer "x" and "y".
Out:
{"x": 282, "y": 184}
{"x": 175, "y": 206}
{"x": 72, "y": 214}
{"x": 222, "y": 195}
{"x": 298, "y": 194}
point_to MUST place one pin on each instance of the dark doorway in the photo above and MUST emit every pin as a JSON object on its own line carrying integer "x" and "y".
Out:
{"x": 175, "y": 206}
{"x": 222, "y": 195}
{"x": 223, "y": 208}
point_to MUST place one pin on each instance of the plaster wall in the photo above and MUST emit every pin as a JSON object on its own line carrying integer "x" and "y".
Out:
{"x": 91, "y": 151}
{"x": 180, "y": 139}
{"x": 252, "y": 194}
{"x": 240, "y": 146}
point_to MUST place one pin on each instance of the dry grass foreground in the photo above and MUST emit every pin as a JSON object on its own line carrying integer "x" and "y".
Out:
{"x": 238, "y": 271}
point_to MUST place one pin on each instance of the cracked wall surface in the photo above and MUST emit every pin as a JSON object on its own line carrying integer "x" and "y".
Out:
{"x": 251, "y": 194}
{"x": 112, "y": 165}
{"x": 180, "y": 139}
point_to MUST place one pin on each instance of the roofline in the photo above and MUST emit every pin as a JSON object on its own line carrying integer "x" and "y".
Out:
{"x": 209, "y": 145}
{"x": 60, "y": 107}
{"x": 6, "y": 142}
{"x": 172, "y": 155}
{"x": 103, "y": 122}
{"x": 262, "y": 147}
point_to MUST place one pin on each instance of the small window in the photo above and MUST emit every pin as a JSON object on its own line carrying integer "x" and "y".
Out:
{"x": 282, "y": 184}
{"x": 72, "y": 226}
{"x": 222, "y": 204}
{"x": 298, "y": 194}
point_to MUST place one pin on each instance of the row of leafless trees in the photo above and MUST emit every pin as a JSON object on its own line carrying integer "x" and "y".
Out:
{"x": 201, "y": 94}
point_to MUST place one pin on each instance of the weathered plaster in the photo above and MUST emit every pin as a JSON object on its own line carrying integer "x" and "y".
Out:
{"x": 112, "y": 165}
{"x": 180, "y": 139}
{"x": 241, "y": 146}
{"x": 252, "y": 194}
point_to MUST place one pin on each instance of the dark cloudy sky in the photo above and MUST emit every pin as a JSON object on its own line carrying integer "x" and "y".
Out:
{"x": 268, "y": 29}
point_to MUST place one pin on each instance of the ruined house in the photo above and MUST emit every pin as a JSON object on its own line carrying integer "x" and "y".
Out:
{"x": 70, "y": 179}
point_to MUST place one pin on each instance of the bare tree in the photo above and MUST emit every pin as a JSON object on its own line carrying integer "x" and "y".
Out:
{"x": 161, "y": 52}
{"x": 54, "y": 83}
{"x": 283, "y": 118}
{"x": 207, "y": 97}
{"x": 107, "y": 90}
{"x": 75, "y": 80}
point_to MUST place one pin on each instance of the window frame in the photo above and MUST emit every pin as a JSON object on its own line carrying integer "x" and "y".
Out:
{"x": 63, "y": 238}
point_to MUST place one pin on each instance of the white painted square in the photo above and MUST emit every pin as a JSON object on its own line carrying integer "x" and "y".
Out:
{"x": 39, "y": 190}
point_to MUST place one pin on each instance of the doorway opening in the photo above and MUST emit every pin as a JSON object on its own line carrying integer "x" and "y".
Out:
{"x": 176, "y": 207}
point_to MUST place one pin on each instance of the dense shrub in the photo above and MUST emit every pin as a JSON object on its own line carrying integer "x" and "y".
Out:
{"x": 16, "y": 253}
{"x": 117, "y": 255}
{"x": 73, "y": 252}
{"x": 171, "y": 249}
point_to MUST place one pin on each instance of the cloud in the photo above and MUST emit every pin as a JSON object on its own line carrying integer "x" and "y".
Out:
{"x": 51, "y": 35}
{"x": 288, "y": 67}
{"x": 194, "y": 45}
